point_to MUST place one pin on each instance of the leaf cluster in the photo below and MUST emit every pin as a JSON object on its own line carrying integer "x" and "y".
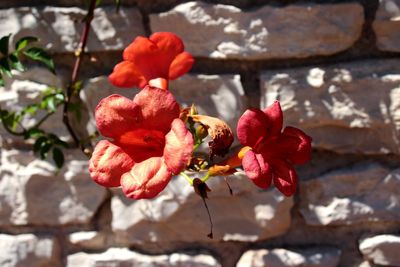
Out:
{"x": 13, "y": 60}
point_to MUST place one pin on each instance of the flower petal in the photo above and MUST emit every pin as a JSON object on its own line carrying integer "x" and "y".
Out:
{"x": 168, "y": 44}
{"x": 294, "y": 145}
{"x": 257, "y": 169}
{"x": 252, "y": 127}
{"x": 108, "y": 163}
{"x": 146, "y": 179}
{"x": 180, "y": 65}
{"x": 159, "y": 108}
{"x": 178, "y": 147}
{"x": 275, "y": 118}
{"x": 126, "y": 75}
{"x": 285, "y": 177}
{"x": 116, "y": 115}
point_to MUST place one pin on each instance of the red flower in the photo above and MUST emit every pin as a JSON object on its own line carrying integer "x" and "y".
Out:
{"x": 272, "y": 152}
{"x": 146, "y": 60}
{"x": 149, "y": 143}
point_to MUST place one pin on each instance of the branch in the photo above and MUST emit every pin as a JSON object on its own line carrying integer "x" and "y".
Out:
{"x": 69, "y": 91}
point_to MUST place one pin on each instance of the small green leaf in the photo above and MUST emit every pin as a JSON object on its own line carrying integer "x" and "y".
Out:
{"x": 39, "y": 143}
{"x": 44, "y": 150}
{"x": 51, "y": 104}
{"x": 5, "y": 67}
{"x": 15, "y": 63}
{"x": 58, "y": 157}
{"x": 31, "y": 109}
{"x": 61, "y": 143}
{"x": 24, "y": 41}
{"x": 1, "y": 81}
{"x": 33, "y": 133}
{"x": 40, "y": 55}
{"x": 4, "y": 44}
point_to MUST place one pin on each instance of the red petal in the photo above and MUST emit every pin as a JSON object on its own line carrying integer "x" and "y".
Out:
{"x": 252, "y": 127}
{"x": 275, "y": 118}
{"x": 126, "y": 75}
{"x": 285, "y": 177}
{"x": 169, "y": 45}
{"x": 146, "y": 179}
{"x": 181, "y": 65}
{"x": 294, "y": 145}
{"x": 108, "y": 163}
{"x": 178, "y": 147}
{"x": 116, "y": 115}
{"x": 257, "y": 169}
{"x": 159, "y": 108}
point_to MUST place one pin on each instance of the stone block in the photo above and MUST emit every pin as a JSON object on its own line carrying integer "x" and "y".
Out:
{"x": 387, "y": 25}
{"x": 347, "y": 108}
{"x": 178, "y": 214}
{"x": 381, "y": 249}
{"x": 363, "y": 193}
{"x": 293, "y": 31}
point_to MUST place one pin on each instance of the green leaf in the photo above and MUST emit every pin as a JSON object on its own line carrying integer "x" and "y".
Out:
{"x": 44, "y": 150}
{"x": 1, "y": 81}
{"x": 39, "y": 143}
{"x": 5, "y": 66}
{"x": 51, "y": 104}
{"x": 15, "y": 63}
{"x": 58, "y": 157}
{"x": 31, "y": 109}
{"x": 24, "y": 41}
{"x": 4, "y": 44}
{"x": 40, "y": 55}
{"x": 33, "y": 133}
{"x": 61, "y": 143}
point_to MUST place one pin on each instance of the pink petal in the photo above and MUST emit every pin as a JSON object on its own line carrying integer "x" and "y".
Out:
{"x": 146, "y": 179}
{"x": 257, "y": 169}
{"x": 274, "y": 118}
{"x": 116, "y": 115}
{"x": 159, "y": 108}
{"x": 285, "y": 177}
{"x": 178, "y": 147}
{"x": 252, "y": 127}
{"x": 180, "y": 65}
{"x": 126, "y": 75}
{"x": 108, "y": 163}
{"x": 294, "y": 145}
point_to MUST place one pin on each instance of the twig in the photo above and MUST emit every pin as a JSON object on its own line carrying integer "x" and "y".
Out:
{"x": 69, "y": 91}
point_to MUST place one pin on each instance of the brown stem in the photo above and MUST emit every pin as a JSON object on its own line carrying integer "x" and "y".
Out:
{"x": 69, "y": 91}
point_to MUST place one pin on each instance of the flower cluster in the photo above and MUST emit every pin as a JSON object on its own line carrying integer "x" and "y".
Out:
{"x": 151, "y": 138}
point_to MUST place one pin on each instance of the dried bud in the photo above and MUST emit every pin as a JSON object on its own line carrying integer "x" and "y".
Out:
{"x": 220, "y": 133}
{"x": 201, "y": 188}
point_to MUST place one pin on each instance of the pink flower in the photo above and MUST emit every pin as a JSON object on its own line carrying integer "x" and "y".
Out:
{"x": 149, "y": 143}
{"x": 153, "y": 61}
{"x": 272, "y": 153}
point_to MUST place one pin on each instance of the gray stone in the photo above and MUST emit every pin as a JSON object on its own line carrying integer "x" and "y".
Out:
{"x": 363, "y": 193}
{"x": 88, "y": 240}
{"x": 294, "y": 31}
{"x": 178, "y": 214}
{"x": 34, "y": 192}
{"x": 28, "y": 250}
{"x": 59, "y": 28}
{"x": 348, "y": 108}
{"x": 321, "y": 257}
{"x": 122, "y": 257}
{"x": 387, "y": 25}
{"x": 25, "y": 89}
{"x": 381, "y": 249}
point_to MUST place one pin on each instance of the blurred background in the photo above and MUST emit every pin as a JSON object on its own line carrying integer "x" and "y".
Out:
{"x": 334, "y": 66}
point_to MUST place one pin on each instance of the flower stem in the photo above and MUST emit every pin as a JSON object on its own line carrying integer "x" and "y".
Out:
{"x": 190, "y": 181}
{"x": 206, "y": 177}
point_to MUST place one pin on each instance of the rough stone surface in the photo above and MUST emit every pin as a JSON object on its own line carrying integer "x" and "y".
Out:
{"x": 249, "y": 215}
{"x": 346, "y": 107}
{"x": 121, "y": 257}
{"x": 89, "y": 239}
{"x": 27, "y": 88}
{"x": 33, "y": 192}
{"x": 28, "y": 250}
{"x": 387, "y": 25}
{"x": 224, "y": 31}
{"x": 364, "y": 193}
{"x": 382, "y": 249}
{"x": 321, "y": 257}
{"x": 59, "y": 28}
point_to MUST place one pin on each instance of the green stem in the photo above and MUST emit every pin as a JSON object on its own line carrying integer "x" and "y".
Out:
{"x": 190, "y": 181}
{"x": 206, "y": 177}
{"x": 10, "y": 131}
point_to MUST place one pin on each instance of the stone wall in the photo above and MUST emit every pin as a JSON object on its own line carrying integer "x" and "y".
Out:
{"x": 335, "y": 67}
